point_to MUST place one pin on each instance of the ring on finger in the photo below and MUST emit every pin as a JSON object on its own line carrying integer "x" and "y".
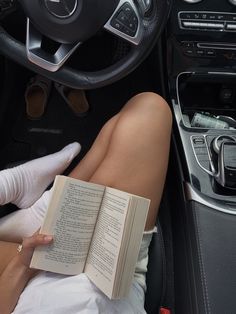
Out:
{"x": 19, "y": 248}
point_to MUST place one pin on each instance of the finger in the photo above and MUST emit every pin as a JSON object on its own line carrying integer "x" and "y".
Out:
{"x": 37, "y": 239}
{"x": 37, "y": 231}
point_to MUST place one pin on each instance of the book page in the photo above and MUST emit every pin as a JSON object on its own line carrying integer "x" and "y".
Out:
{"x": 104, "y": 250}
{"x": 71, "y": 218}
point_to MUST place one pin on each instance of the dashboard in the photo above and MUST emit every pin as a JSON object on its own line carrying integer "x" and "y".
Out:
{"x": 201, "y": 63}
{"x": 202, "y": 34}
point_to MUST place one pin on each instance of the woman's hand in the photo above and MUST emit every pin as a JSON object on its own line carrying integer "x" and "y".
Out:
{"x": 17, "y": 273}
{"x": 27, "y": 247}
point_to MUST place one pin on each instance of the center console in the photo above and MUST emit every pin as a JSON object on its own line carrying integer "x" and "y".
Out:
{"x": 201, "y": 62}
{"x": 201, "y": 51}
{"x": 205, "y": 113}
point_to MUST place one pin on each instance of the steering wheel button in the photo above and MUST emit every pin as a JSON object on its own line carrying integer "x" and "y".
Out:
{"x": 133, "y": 19}
{"x": 117, "y": 24}
{"x": 127, "y": 9}
{"x": 132, "y": 26}
{"x": 122, "y": 17}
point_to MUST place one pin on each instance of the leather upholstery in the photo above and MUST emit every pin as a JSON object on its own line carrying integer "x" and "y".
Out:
{"x": 213, "y": 238}
{"x": 156, "y": 273}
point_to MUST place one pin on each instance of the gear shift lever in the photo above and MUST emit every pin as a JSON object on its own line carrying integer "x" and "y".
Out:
{"x": 226, "y": 175}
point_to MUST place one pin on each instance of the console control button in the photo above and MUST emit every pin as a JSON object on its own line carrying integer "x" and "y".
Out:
{"x": 186, "y": 15}
{"x": 220, "y": 17}
{"x": 198, "y": 141}
{"x": 200, "y": 52}
{"x": 200, "y": 147}
{"x": 210, "y": 53}
{"x": 201, "y": 151}
{"x": 231, "y": 26}
{"x": 191, "y": 49}
{"x": 231, "y": 17}
{"x": 203, "y": 25}
{"x": 215, "y": 25}
{"x": 187, "y": 44}
{"x": 216, "y": 143}
{"x": 207, "y": 21}
{"x": 189, "y": 52}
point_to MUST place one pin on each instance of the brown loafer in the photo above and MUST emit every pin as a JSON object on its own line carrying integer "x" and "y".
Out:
{"x": 75, "y": 98}
{"x": 36, "y": 96}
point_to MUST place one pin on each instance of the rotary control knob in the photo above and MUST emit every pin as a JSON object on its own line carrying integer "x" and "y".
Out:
{"x": 218, "y": 141}
{"x": 196, "y": 1}
{"x": 233, "y": 2}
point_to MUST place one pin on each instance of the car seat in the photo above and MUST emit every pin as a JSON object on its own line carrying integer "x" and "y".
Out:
{"x": 156, "y": 273}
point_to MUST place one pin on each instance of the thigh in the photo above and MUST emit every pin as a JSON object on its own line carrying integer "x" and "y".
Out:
{"x": 7, "y": 251}
{"x": 137, "y": 157}
{"x": 91, "y": 161}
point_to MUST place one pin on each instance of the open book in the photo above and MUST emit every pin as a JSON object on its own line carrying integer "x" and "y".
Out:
{"x": 97, "y": 230}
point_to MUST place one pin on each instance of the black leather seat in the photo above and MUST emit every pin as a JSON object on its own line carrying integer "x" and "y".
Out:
{"x": 156, "y": 273}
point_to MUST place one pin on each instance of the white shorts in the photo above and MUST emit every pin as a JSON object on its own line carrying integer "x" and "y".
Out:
{"x": 51, "y": 293}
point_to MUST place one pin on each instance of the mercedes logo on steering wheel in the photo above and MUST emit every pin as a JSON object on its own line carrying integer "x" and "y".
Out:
{"x": 61, "y": 8}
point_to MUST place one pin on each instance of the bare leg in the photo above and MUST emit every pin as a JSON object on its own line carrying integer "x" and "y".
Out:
{"x": 89, "y": 164}
{"x": 131, "y": 151}
{"x": 7, "y": 252}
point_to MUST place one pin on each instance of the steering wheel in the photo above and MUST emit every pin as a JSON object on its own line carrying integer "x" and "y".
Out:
{"x": 70, "y": 23}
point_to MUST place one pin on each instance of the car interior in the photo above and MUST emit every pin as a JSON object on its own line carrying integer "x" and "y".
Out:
{"x": 183, "y": 50}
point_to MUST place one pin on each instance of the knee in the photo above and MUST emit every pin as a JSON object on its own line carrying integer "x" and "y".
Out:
{"x": 153, "y": 107}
